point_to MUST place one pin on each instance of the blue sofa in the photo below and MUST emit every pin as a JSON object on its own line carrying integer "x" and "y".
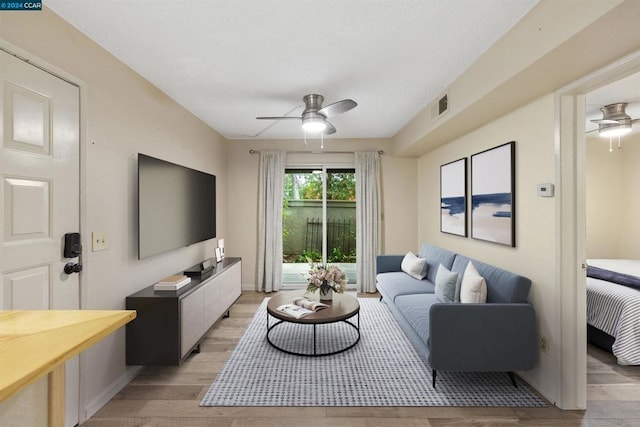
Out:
{"x": 499, "y": 335}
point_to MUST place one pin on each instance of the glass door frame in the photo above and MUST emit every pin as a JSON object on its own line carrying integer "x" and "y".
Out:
{"x": 324, "y": 169}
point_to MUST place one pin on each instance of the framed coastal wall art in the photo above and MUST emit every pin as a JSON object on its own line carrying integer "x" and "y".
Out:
{"x": 453, "y": 197}
{"x": 493, "y": 195}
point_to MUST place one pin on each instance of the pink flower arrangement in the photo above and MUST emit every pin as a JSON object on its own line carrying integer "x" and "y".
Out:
{"x": 325, "y": 278}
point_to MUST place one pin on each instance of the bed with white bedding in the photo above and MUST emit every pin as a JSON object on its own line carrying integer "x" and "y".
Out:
{"x": 613, "y": 305}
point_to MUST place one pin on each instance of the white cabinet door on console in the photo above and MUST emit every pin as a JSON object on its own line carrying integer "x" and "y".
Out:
{"x": 213, "y": 291}
{"x": 192, "y": 324}
{"x": 204, "y": 307}
{"x": 222, "y": 293}
{"x": 232, "y": 291}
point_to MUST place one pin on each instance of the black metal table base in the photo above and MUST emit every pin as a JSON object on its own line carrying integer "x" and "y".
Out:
{"x": 315, "y": 348}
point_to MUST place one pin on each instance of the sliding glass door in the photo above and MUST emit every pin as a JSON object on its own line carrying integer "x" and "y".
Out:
{"x": 319, "y": 223}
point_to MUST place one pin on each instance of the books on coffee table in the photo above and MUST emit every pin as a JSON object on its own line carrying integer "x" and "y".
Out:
{"x": 301, "y": 306}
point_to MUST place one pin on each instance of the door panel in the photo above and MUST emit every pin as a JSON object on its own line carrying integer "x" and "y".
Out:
{"x": 39, "y": 170}
{"x": 302, "y": 224}
{"x": 27, "y": 289}
{"x": 26, "y": 209}
{"x": 28, "y": 120}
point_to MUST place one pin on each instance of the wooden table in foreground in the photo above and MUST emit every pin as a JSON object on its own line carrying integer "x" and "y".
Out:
{"x": 24, "y": 334}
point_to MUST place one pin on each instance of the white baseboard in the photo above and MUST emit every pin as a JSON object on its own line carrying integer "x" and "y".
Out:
{"x": 109, "y": 393}
{"x": 248, "y": 287}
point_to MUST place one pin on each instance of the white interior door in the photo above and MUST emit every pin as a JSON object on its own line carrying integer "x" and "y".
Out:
{"x": 39, "y": 195}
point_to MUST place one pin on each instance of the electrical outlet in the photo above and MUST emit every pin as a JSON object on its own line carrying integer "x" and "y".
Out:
{"x": 543, "y": 345}
{"x": 99, "y": 242}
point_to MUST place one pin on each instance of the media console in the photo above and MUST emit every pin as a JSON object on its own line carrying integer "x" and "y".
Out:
{"x": 171, "y": 324}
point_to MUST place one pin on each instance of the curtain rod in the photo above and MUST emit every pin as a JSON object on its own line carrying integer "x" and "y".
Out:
{"x": 252, "y": 151}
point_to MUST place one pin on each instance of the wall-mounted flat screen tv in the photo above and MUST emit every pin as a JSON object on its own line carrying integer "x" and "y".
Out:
{"x": 176, "y": 206}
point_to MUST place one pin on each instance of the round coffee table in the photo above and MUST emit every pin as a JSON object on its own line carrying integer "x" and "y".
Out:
{"x": 342, "y": 308}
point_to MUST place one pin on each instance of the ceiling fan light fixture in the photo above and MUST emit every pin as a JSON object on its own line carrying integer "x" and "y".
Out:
{"x": 314, "y": 116}
{"x": 615, "y": 130}
{"x": 615, "y": 120}
{"x": 313, "y": 124}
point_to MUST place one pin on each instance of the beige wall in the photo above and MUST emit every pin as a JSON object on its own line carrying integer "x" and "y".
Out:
{"x": 398, "y": 185}
{"x": 125, "y": 115}
{"x": 532, "y": 127}
{"x": 613, "y": 198}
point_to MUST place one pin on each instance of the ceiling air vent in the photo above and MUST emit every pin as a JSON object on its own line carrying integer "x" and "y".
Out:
{"x": 443, "y": 104}
{"x": 440, "y": 107}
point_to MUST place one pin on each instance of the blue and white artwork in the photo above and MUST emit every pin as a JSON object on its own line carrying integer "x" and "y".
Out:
{"x": 493, "y": 195}
{"x": 453, "y": 197}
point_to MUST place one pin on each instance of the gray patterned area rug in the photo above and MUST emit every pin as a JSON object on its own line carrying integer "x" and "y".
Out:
{"x": 381, "y": 370}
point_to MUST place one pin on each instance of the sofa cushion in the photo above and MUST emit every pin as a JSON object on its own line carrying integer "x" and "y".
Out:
{"x": 415, "y": 309}
{"x": 434, "y": 256}
{"x": 445, "y": 285}
{"x": 414, "y": 266}
{"x": 502, "y": 286}
{"x": 473, "y": 288}
{"x": 397, "y": 283}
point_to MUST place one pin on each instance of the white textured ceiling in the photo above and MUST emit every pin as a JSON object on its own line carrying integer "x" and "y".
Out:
{"x": 228, "y": 61}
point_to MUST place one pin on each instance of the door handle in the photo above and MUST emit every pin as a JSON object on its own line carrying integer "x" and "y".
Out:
{"x": 72, "y": 267}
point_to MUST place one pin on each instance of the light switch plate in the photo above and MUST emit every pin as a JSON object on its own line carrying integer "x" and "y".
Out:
{"x": 99, "y": 242}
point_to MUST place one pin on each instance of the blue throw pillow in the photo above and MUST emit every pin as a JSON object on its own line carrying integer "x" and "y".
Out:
{"x": 446, "y": 282}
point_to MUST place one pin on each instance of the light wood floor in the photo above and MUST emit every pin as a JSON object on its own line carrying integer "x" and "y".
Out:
{"x": 170, "y": 396}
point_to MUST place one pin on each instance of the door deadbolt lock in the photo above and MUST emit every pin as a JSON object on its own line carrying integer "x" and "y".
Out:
{"x": 72, "y": 245}
{"x": 72, "y": 267}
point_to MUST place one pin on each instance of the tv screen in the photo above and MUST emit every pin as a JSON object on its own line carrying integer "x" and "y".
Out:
{"x": 176, "y": 206}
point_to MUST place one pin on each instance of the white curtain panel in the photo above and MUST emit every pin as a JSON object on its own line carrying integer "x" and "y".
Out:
{"x": 272, "y": 165}
{"x": 367, "y": 218}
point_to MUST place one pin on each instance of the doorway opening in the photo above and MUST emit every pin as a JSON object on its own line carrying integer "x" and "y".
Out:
{"x": 571, "y": 145}
{"x": 319, "y": 222}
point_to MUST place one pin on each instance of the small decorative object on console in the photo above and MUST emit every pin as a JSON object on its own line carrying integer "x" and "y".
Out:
{"x": 221, "y": 246}
{"x": 325, "y": 278}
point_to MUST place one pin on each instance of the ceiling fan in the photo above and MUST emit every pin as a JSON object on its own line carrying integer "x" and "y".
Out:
{"x": 314, "y": 117}
{"x": 615, "y": 121}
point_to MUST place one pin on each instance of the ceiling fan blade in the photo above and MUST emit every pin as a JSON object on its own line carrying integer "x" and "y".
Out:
{"x": 339, "y": 107}
{"x": 605, "y": 121}
{"x": 278, "y": 118}
{"x": 330, "y": 129}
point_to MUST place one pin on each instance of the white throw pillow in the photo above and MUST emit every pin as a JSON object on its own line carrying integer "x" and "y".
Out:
{"x": 474, "y": 287}
{"x": 414, "y": 266}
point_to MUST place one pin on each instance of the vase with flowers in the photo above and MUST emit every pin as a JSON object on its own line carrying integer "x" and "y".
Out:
{"x": 326, "y": 279}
